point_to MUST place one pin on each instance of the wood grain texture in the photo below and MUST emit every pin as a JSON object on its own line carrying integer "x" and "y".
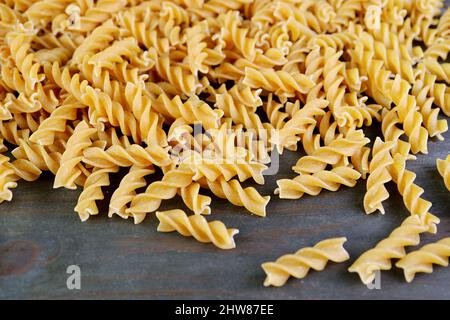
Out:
{"x": 41, "y": 235}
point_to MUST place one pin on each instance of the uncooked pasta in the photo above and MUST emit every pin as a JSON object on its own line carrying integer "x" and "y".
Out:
{"x": 195, "y": 99}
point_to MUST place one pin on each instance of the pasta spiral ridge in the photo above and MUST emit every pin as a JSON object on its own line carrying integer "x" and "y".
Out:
{"x": 378, "y": 176}
{"x": 278, "y": 81}
{"x": 125, "y": 193}
{"x": 298, "y": 264}
{"x": 56, "y": 122}
{"x": 243, "y": 197}
{"x": 39, "y": 155}
{"x": 125, "y": 156}
{"x": 7, "y": 181}
{"x": 332, "y": 154}
{"x": 411, "y": 193}
{"x": 70, "y": 170}
{"x": 199, "y": 204}
{"x": 423, "y": 259}
{"x": 393, "y": 247}
{"x": 443, "y": 167}
{"x": 92, "y": 192}
{"x": 197, "y": 226}
{"x": 167, "y": 188}
{"x": 313, "y": 184}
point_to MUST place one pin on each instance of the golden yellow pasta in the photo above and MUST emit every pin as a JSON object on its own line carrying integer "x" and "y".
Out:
{"x": 378, "y": 175}
{"x": 393, "y": 247}
{"x": 444, "y": 170}
{"x": 423, "y": 259}
{"x": 196, "y": 226}
{"x": 298, "y": 264}
{"x": 207, "y": 95}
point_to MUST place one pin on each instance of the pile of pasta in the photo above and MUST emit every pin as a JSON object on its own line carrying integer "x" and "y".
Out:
{"x": 207, "y": 91}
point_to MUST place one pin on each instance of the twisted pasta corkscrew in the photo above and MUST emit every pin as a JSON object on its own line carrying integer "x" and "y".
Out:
{"x": 70, "y": 171}
{"x": 192, "y": 198}
{"x": 331, "y": 154}
{"x": 423, "y": 259}
{"x": 56, "y": 122}
{"x": 92, "y": 192}
{"x": 167, "y": 188}
{"x": 198, "y": 227}
{"x": 243, "y": 197}
{"x": 411, "y": 193}
{"x": 7, "y": 180}
{"x": 443, "y": 167}
{"x": 378, "y": 175}
{"x": 126, "y": 191}
{"x": 393, "y": 247}
{"x": 298, "y": 264}
{"x": 314, "y": 183}
{"x": 126, "y": 156}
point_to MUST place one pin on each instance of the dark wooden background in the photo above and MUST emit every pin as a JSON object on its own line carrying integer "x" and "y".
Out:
{"x": 41, "y": 235}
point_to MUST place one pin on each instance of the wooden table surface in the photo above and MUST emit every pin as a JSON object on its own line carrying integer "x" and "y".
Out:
{"x": 40, "y": 236}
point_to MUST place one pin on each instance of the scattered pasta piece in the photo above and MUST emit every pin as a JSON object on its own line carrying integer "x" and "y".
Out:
{"x": 423, "y": 259}
{"x": 196, "y": 226}
{"x": 393, "y": 247}
{"x": 298, "y": 264}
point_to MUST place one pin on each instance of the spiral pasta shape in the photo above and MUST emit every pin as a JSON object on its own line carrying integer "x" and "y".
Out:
{"x": 298, "y": 264}
{"x": 126, "y": 191}
{"x": 378, "y": 176}
{"x": 92, "y": 192}
{"x": 167, "y": 188}
{"x": 422, "y": 260}
{"x": 39, "y": 155}
{"x": 193, "y": 110}
{"x": 56, "y": 122}
{"x": 393, "y": 247}
{"x": 313, "y": 184}
{"x": 70, "y": 172}
{"x": 411, "y": 193}
{"x": 332, "y": 154}
{"x": 197, "y": 226}
{"x": 298, "y": 124}
{"x": 278, "y": 81}
{"x": 125, "y": 156}
{"x": 98, "y": 40}
{"x": 443, "y": 167}
{"x": 7, "y": 180}
{"x": 19, "y": 45}
{"x": 232, "y": 190}
{"x": 199, "y": 204}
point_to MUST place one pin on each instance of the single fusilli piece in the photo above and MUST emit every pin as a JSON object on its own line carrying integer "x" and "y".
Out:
{"x": 195, "y": 201}
{"x": 197, "y": 226}
{"x": 126, "y": 191}
{"x": 411, "y": 193}
{"x": 244, "y": 197}
{"x": 150, "y": 200}
{"x": 92, "y": 192}
{"x": 423, "y": 259}
{"x": 71, "y": 171}
{"x": 313, "y": 184}
{"x": 334, "y": 153}
{"x": 393, "y": 247}
{"x": 378, "y": 176}
{"x": 298, "y": 264}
